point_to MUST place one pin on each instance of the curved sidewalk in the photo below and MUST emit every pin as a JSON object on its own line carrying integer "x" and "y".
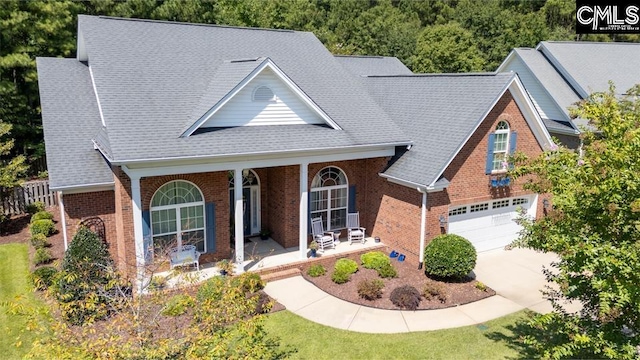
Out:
{"x": 515, "y": 275}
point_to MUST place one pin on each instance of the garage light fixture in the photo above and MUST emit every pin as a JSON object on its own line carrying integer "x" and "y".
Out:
{"x": 443, "y": 222}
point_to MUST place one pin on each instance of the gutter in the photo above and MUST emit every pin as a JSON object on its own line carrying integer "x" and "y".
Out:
{"x": 423, "y": 226}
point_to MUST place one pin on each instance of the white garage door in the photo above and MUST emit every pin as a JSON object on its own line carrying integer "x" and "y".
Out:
{"x": 489, "y": 225}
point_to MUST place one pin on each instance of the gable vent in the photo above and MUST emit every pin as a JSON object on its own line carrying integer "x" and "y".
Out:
{"x": 264, "y": 93}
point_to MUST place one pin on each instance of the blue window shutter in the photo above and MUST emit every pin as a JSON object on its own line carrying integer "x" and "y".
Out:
{"x": 352, "y": 199}
{"x": 489, "y": 167}
{"x": 146, "y": 234}
{"x": 210, "y": 235}
{"x": 512, "y": 142}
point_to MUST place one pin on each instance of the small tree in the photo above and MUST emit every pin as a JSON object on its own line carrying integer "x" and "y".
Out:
{"x": 87, "y": 271}
{"x": 594, "y": 227}
{"x": 10, "y": 170}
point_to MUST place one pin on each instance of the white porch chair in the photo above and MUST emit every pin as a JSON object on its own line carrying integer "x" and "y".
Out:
{"x": 355, "y": 233}
{"x": 323, "y": 238}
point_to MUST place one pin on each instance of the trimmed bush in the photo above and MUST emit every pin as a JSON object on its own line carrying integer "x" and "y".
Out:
{"x": 387, "y": 271}
{"x": 249, "y": 282}
{"x": 405, "y": 297}
{"x": 434, "y": 289}
{"x": 316, "y": 270}
{"x": 374, "y": 260}
{"x": 44, "y": 226}
{"x": 35, "y": 207}
{"x": 449, "y": 256}
{"x": 39, "y": 241}
{"x": 87, "y": 276}
{"x": 43, "y": 277}
{"x": 370, "y": 289}
{"x": 340, "y": 277}
{"x": 178, "y": 305}
{"x": 346, "y": 265}
{"x": 42, "y": 256}
{"x": 41, "y": 215}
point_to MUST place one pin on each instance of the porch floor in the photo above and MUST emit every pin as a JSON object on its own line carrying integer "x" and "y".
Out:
{"x": 260, "y": 255}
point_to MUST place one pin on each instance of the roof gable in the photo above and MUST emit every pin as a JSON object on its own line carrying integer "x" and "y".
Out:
{"x": 238, "y": 107}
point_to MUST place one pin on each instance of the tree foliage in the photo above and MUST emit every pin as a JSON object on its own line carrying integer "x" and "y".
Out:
{"x": 594, "y": 227}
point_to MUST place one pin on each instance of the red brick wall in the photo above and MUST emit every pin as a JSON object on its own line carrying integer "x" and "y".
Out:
{"x": 100, "y": 204}
{"x": 397, "y": 208}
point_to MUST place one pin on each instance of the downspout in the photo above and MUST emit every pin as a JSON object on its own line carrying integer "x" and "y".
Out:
{"x": 63, "y": 219}
{"x": 423, "y": 226}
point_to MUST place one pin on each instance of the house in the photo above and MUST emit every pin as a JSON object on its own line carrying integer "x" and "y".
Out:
{"x": 558, "y": 74}
{"x": 189, "y": 133}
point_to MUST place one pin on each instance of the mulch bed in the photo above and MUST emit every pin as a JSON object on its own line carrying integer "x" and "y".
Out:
{"x": 457, "y": 293}
{"x": 16, "y": 230}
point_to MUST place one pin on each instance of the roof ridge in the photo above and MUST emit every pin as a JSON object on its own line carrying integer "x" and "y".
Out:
{"x": 194, "y": 24}
{"x": 591, "y": 42}
{"x": 363, "y": 56}
{"x": 438, "y": 75}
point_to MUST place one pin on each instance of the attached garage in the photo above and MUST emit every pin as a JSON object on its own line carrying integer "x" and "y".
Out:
{"x": 490, "y": 225}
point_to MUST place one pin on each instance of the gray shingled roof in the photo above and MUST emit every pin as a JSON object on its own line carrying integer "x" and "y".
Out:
{"x": 549, "y": 77}
{"x": 151, "y": 75}
{"x": 373, "y": 65}
{"x": 440, "y": 111}
{"x": 70, "y": 118}
{"x": 593, "y": 64}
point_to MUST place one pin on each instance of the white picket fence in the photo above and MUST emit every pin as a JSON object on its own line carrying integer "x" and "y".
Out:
{"x": 15, "y": 201}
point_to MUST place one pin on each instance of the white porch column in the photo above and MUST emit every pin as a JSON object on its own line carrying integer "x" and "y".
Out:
{"x": 136, "y": 209}
{"x": 239, "y": 219}
{"x": 304, "y": 209}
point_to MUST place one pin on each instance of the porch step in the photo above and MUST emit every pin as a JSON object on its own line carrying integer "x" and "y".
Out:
{"x": 282, "y": 274}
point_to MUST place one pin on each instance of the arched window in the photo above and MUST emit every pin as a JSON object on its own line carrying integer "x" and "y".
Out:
{"x": 329, "y": 197}
{"x": 177, "y": 216}
{"x": 500, "y": 146}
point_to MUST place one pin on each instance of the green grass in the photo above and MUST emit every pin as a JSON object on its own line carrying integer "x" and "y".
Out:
{"x": 314, "y": 341}
{"x": 14, "y": 282}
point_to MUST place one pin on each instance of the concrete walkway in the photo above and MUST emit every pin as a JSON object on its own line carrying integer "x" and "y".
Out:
{"x": 515, "y": 275}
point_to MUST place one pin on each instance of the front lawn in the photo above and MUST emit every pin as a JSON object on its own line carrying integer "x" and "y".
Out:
{"x": 315, "y": 341}
{"x": 14, "y": 281}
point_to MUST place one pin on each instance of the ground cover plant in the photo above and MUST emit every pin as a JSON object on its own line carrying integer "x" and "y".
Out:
{"x": 450, "y": 293}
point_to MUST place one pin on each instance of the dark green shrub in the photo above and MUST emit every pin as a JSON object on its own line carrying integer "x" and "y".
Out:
{"x": 405, "y": 297}
{"x": 42, "y": 256}
{"x": 41, "y": 215}
{"x": 44, "y": 226}
{"x": 434, "y": 289}
{"x": 346, "y": 265}
{"x": 316, "y": 270}
{"x": 449, "y": 256}
{"x": 39, "y": 241}
{"x": 86, "y": 280}
{"x": 43, "y": 277}
{"x": 35, "y": 207}
{"x": 178, "y": 305}
{"x": 370, "y": 289}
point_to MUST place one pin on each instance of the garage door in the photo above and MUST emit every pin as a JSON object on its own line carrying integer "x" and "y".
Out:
{"x": 489, "y": 225}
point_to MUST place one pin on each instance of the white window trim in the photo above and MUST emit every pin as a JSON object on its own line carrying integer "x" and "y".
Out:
{"x": 328, "y": 189}
{"x": 178, "y": 207}
{"x": 506, "y": 149}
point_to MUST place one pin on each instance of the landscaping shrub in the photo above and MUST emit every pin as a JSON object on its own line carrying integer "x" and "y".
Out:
{"x": 346, "y": 265}
{"x": 263, "y": 303}
{"x": 211, "y": 289}
{"x": 157, "y": 283}
{"x": 42, "y": 256}
{"x": 405, "y": 297}
{"x": 316, "y": 270}
{"x": 374, "y": 260}
{"x": 41, "y": 215}
{"x": 35, "y": 207}
{"x": 43, "y": 277}
{"x": 449, "y": 256}
{"x": 370, "y": 289}
{"x": 87, "y": 279}
{"x": 39, "y": 241}
{"x": 434, "y": 289}
{"x": 178, "y": 305}
{"x": 481, "y": 286}
{"x": 44, "y": 226}
{"x": 249, "y": 282}
{"x": 387, "y": 271}
{"x": 343, "y": 270}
